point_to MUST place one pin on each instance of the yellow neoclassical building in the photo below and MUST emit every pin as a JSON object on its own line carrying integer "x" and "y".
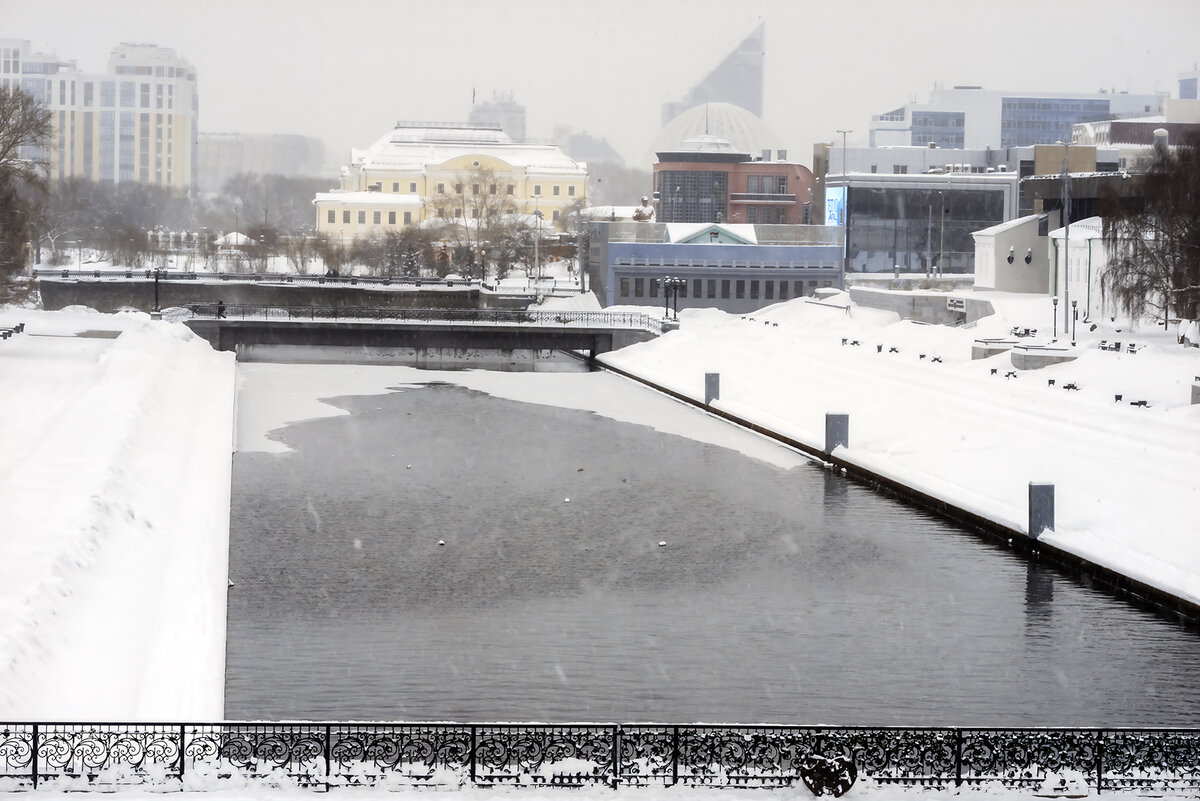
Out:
{"x": 422, "y": 171}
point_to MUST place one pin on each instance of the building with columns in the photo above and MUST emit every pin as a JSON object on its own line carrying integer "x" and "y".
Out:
{"x": 421, "y": 171}
{"x": 137, "y": 122}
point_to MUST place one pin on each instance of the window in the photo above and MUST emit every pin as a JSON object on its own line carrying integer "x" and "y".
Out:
{"x": 783, "y": 287}
{"x": 624, "y": 292}
{"x": 554, "y": 215}
{"x": 474, "y": 189}
{"x": 874, "y": 168}
{"x": 781, "y": 184}
{"x": 391, "y": 218}
{"x": 458, "y": 189}
{"x": 752, "y": 214}
{"x": 375, "y": 217}
{"x": 492, "y": 189}
{"x": 395, "y": 186}
{"x": 725, "y": 289}
{"x": 556, "y": 188}
{"x": 754, "y": 290}
{"x": 441, "y": 189}
{"x": 412, "y": 187}
{"x": 639, "y": 287}
{"x": 712, "y": 288}
{"x": 571, "y": 191}
{"x": 345, "y": 217}
{"x": 682, "y": 291}
{"x": 698, "y": 288}
{"x": 145, "y": 95}
{"x": 408, "y": 218}
{"x": 510, "y": 189}
{"x": 537, "y": 189}
{"x": 475, "y": 214}
{"x": 768, "y": 289}
{"x": 126, "y": 94}
{"x": 751, "y": 184}
{"x": 900, "y": 169}
{"x": 362, "y": 218}
{"x": 654, "y": 287}
{"x": 458, "y": 212}
{"x": 740, "y": 288}
{"x": 331, "y": 217}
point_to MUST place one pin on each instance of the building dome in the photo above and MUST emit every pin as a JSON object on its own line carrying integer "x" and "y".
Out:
{"x": 709, "y": 123}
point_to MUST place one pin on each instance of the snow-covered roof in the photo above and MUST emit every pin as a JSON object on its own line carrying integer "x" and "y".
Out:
{"x": 406, "y": 149}
{"x": 678, "y": 232}
{"x": 1000, "y": 228}
{"x": 1090, "y": 228}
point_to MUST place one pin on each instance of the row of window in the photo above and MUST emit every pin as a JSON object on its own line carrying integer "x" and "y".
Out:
{"x": 376, "y": 217}
{"x": 723, "y": 288}
{"x": 476, "y": 189}
{"x": 767, "y": 184}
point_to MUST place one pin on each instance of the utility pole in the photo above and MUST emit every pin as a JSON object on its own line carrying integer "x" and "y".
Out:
{"x": 845, "y": 205}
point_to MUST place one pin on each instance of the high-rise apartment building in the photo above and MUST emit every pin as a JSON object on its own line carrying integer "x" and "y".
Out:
{"x": 503, "y": 111}
{"x": 135, "y": 123}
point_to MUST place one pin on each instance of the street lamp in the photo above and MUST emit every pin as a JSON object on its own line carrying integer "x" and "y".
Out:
{"x": 1074, "y": 319}
{"x": 845, "y": 203}
{"x": 671, "y": 284}
{"x": 1054, "y": 300}
{"x": 1066, "y": 176}
{"x": 236, "y": 236}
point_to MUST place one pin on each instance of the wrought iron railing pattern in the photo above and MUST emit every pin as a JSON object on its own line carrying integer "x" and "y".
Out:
{"x": 324, "y": 755}
{"x": 142, "y": 273}
{"x": 543, "y": 317}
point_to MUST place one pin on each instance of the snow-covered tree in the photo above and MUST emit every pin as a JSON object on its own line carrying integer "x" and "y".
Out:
{"x": 25, "y": 128}
{"x": 1154, "y": 246}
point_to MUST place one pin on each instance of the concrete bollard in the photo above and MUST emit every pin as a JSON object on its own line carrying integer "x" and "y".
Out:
{"x": 837, "y": 431}
{"x": 712, "y": 387}
{"x": 1041, "y": 508}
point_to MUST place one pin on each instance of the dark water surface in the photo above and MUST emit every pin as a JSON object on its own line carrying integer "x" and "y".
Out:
{"x": 781, "y": 596}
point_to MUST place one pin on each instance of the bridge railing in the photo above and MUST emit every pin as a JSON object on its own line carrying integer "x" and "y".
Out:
{"x": 143, "y": 273}
{"x": 1060, "y": 762}
{"x": 540, "y": 317}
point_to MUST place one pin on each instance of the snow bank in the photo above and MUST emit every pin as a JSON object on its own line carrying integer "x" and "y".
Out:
{"x": 114, "y": 497}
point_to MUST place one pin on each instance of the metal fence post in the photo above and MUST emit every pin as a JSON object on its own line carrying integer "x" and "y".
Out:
{"x": 616, "y": 757}
{"x": 182, "y": 751}
{"x": 958, "y": 749}
{"x": 712, "y": 387}
{"x": 837, "y": 431}
{"x": 674, "y": 755}
{"x": 1041, "y": 508}
{"x": 35, "y": 756}
{"x": 328, "y": 739}
{"x": 474, "y": 743}
{"x": 1099, "y": 761}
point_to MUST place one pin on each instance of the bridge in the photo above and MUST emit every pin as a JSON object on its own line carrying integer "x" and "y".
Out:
{"x": 237, "y": 326}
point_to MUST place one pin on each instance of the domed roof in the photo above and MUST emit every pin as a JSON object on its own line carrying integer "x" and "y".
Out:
{"x": 707, "y": 122}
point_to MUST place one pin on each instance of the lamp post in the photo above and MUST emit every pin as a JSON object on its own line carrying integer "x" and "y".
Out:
{"x": 1066, "y": 175}
{"x": 537, "y": 242}
{"x": 671, "y": 286}
{"x": 1054, "y": 301}
{"x": 941, "y": 232}
{"x": 236, "y": 236}
{"x": 1074, "y": 319}
{"x": 845, "y": 203}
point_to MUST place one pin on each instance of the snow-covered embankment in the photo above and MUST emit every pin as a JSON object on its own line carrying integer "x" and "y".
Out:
{"x": 114, "y": 497}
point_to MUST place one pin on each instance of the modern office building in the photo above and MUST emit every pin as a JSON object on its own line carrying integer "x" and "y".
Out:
{"x": 738, "y": 79}
{"x": 975, "y": 118}
{"x": 220, "y": 156}
{"x": 503, "y": 111}
{"x": 707, "y": 180}
{"x": 419, "y": 171}
{"x": 135, "y": 123}
{"x": 737, "y": 268}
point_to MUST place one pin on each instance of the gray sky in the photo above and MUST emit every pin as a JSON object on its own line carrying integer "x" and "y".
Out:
{"x": 347, "y": 70}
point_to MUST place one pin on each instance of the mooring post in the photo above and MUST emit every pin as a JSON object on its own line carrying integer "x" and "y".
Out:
{"x": 1041, "y": 508}
{"x": 712, "y": 387}
{"x": 837, "y": 431}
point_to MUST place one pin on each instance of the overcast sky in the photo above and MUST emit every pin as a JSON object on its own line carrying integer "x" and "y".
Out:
{"x": 346, "y": 70}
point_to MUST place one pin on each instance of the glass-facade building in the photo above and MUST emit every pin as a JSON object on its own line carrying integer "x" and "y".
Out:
{"x": 1041, "y": 120}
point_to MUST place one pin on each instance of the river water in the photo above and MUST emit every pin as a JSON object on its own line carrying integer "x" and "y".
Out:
{"x": 441, "y": 554}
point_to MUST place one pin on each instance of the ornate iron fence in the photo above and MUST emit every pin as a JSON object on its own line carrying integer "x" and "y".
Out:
{"x": 826, "y": 759}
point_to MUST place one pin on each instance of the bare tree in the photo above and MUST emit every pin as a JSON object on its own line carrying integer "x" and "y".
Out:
{"x": 1154, "y": 247}
{"x": 483, "y": 222}
{"x": 25, "y": 128}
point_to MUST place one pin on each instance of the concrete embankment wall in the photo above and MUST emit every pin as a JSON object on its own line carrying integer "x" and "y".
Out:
{"x": 1086, "y": 572}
